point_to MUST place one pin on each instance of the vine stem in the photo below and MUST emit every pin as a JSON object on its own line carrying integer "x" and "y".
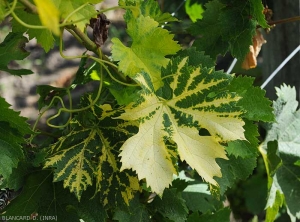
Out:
{"x": 292, "y": 19}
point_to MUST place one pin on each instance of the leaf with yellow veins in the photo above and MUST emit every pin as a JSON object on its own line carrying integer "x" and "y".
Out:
{"x": 48, "y": 14}
{"x": 89, "y": 152}
{"x": 192, "y": 98}
{"x": 150, "y": 45}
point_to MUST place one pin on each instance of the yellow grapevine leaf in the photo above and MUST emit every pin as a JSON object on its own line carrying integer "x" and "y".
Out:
{"x": 191, "y": 99}
{"x": 48, "y": 14}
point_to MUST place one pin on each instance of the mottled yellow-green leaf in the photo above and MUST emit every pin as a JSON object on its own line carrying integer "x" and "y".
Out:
{"x": 89, "y": 154}
{"x": 191, "y": 99}
{"x": 48, "y": 14}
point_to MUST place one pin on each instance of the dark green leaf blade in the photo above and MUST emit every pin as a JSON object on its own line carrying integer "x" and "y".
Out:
{"x": 253, "y": 101}
{"x": 12, "y": 48}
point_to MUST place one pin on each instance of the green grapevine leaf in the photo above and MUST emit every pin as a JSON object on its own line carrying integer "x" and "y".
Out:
{"x": 90, "y": 151}
{"x": 47, "y": 93}
{"x": 228, "y": 26}
{"x": 171, "y": 206}
{"x": 151, "y": 8}
{"x": 142, "y": 55}
{"x": 77, "y": 11}
{"x": 222, "y": 215}
{"x": 43, "y": 37}
{"x": 257, "y": 107}
{"x": 40, "y": 196}
{"x": 191, "y": 98}
{"x": 209, "y": 27}
{"x": 136, "y": 211}
{"x": 13, "y": 128}
{"x": 2, "y": 10}
{"x": 286, "y": 131}
{"x": 12, "y": 48}
{"x": 194, "y": 10}
{"x": 245, "y": 148}
{"x": 236, "y": 168}
{"x": 256, "y": 11}
{"x": 198, "y": 198}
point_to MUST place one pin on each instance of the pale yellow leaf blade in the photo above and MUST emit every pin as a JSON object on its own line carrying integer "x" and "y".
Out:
{"x": 49, "y": 15}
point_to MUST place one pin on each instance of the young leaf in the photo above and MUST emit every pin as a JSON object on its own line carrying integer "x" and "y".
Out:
{"x": 194, "y": 10}
{"x": 90, "y": 150}
{"x": 151, "y": 8}
{"x": 49, "y": 15}
{"x": 191, "y": 98}
{"x": 78, "y": 12}
{"x": 142, "y": 55}
{"x": 286, "y": 131}
{"x": 12, "y": 48}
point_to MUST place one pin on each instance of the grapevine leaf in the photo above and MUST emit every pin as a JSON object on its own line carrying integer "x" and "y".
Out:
{"x": 237, "y": 168}
{"x": 257, "y": 8}
{"x": 44, "y": 37}
{"x": 198, "y": 198}
{"x": 191, "y": 98}
{"x": 245, "y": 148}
{"x": 171, "y": 206}
{"x": 49, "y": 15}
{"x": 194, "y": 10}
{"x": 2, "y": 10}
{"x": 40, "y": 196}
{"x": 12, "y": 48}
{"x": 209, "y": 27}
{"x": 274, "y": 161}
{"x": 90, "y": 150}
{"x": 257, "y": 107}
{"x": 222, "y": 215}
{"x": 286, "y": 131}
{"x": 16, "y": 179}
{"x": 136, "y": 211}
{"x": 142, "y": 56}
{"x": 78, "y": 12}
{"x": 47, "y": 93}
{"x": 151, "y": 8}
{"x": 227, "y": 25}
{"x": 275, "y": 202}
{"x": 13, "y": 128}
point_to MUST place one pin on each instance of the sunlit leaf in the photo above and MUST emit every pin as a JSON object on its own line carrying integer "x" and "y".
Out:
{"x": 191, "y": 98}
{"x": 49, "y": 15}
{"x": 148, "y": 50}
